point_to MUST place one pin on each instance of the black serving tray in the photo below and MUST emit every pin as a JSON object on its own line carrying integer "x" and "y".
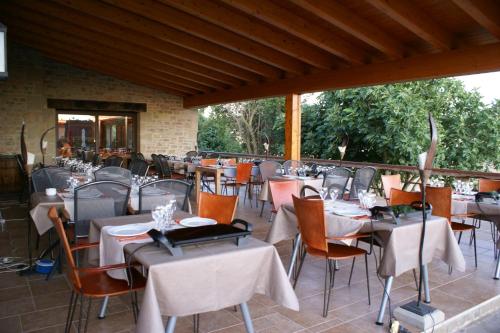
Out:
{"x": 208, "y": 233}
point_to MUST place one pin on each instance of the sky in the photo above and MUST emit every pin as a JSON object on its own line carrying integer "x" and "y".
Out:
{"x": 488, "y": 85}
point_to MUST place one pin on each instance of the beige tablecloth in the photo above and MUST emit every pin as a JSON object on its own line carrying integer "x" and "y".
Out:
{"x": 265, "y": 193}
{"x": 401, "y": 242}
{"x": 207, "y": 277}
{"x": 40, "y": 205}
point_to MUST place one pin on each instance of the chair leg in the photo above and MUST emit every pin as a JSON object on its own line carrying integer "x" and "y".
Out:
{"x": 328, "y": 285}
{"x": 262, "y": 209}
{"x": 134, "y": 308}
{"x": 367, "y": 279}
{"x": 352, "y": 268}
{"x": 415, "y": 278}
{"x": 70, "y": 310}
{"x": 300, "y": 268}
{"x": 196, "y": 323}
{"x": 73, "y": 308}
{"x": 81, "y": 314}
{"x": 88, "y": 314}
{"x": 475, "y": 248}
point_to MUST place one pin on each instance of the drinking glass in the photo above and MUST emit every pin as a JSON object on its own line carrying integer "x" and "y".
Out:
{"x": 157, "y": 217}
{"x": 323, "y": 192}
{"x": 334, "y": 193}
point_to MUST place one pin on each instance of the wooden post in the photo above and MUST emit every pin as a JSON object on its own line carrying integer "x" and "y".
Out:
{"x": 292, "y": 127}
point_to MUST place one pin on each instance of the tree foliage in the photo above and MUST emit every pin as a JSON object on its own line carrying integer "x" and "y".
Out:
{"x": 385, "y": 124}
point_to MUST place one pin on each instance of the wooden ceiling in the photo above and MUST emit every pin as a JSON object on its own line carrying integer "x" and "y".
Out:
{"x": 217, "y": 51}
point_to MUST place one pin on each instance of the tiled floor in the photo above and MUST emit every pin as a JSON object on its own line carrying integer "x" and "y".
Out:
{"x": 31, "y": 304}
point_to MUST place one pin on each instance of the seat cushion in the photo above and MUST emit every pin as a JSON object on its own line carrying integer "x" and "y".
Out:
{"x": 100, "y": 284}
{"x": 458, "y": 227}
{"x": 337, "y": 251}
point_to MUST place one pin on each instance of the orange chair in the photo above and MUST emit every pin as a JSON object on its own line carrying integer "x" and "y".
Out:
{"x": 389, "y": 182}
{"x": 93, "y": 282}
{"x": 440, "y": 199}
{"x": 312, "y": 226}
{"x": 400, "y": 197}
{"x": 243, "y": 174}
{"x": 488, "y": 185}
{"x": 281, "y": 194}
{"x": 221, "y": 208}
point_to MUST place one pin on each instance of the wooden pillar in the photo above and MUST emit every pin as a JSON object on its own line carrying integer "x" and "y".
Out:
{"x": 292, "y": 127}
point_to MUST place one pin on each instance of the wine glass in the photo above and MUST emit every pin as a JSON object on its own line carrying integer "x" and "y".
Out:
{"x": 323, "y": 192}
{"x": 334, "y": 193}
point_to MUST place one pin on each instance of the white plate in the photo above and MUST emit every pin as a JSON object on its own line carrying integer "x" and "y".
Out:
{"x": 129, "y": 230}
{"x": 349, "y": 212}
{"x": 196, "y": 222}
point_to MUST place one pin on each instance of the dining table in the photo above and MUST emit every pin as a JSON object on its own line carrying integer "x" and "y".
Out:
{"x": 265, "y": 193}
{"x": 206, "y": 277}
{"x": 400, "y": 240}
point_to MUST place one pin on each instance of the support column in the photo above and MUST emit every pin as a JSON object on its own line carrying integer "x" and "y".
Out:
{"x": 292, "y": 127}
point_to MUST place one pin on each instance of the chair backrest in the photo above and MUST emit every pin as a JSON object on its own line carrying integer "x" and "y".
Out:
{"x": 160, "y": 192}
{"x": 88, "y": 156}
{"x": 440, "y": 199}
{"x": 165, "y": 169}
{"x": 58, "y": 176}
{"x": 243, "y": 172}
{"x": 292, "y": 164}
{"x": 192, "y": 153}
{"x": 488, "y": 185}
{"x": 338, "y": 179}
{"x": 157, "y": 164}
{"x": 113, "y": 161}
{"x": 99, "y": 199}
{"x": 140, "y": 156}
{"x": 40, "y": 180}
{"x": 114, "y": 173}
{"x": 400, "y": 197}
{"x": 139, "y": 167}
{"x": 282, "y": 191}
{"x": 389, "y": 182}
{"x": 72, "y": 270}
{"x": 308, "y": 188}
{"x": 218, "y": 207}
{"x": 363, "y": 178}
{"x": 208, "y": 161}
{"x": 311, "y": 219}
{"x": 269, "y": 169}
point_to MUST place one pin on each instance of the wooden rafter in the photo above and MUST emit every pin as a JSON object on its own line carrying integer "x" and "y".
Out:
{"x": 406, "y": 13}
{"x": 250, "y": 27}
{"x": 484, "y": 12}
{"x": 192, "y": 25}
{"x": 295, "y": 24}
{"x": 173, "y": 54}
{"x": 345, "y": 19}
{"x": 470, "y": 60}
{"x": 163, "y": 32}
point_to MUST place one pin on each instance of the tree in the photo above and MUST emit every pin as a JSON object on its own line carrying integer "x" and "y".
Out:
{"x": 214, "y": 133}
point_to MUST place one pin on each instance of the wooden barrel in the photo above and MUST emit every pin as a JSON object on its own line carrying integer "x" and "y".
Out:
{"x": 10, "y": 179}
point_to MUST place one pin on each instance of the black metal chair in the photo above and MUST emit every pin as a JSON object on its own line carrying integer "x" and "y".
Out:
{"x": 40, "y": 180}
{"x": 140, "y": 156}
{"x": 292, "y": 164}
{"x": 159, "y": 192}
{"x": 337, "y": 178}
{"x": 165, "y": 169}
{"x": 362, "y": 181}
{"x": 25, "y": 187}
{"x": 268, "y": 169}
{"x": 114, "y": 173}
{"x": 157, "y": 164}
{"x": 191, "y": 154}
{"x": 139, "y": 167}
{"x": 88, "y": 156}
{"x": 113, "y": 161}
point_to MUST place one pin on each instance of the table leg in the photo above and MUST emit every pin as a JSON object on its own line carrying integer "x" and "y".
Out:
{"x": 497, "y": 270}
{"x": 104, "y": 305}
{"x": 171, "y": 324}
{"x": 218, "y": 187}
{"x": 385, "y": 298}
{"x": 294, "y": 254}
{"x": 427, "y": 293}
{"x": 246, "y": 317}
{"x": 197, "y": 185}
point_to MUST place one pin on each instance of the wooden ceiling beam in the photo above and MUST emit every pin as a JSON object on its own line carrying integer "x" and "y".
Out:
{"x": 407, "y": 14}
{"x": 484, "y": 12}
{"x": 250, "y": 27}
{"x": 343, "y": 18}
{"x": 70, "y": 34}
{"x": 192, "y": 25}
{"x": 101, "y": 63}
{"x": 164, "y": 51}
{"x": 160, "y": 31}
{"x": 471, "y": 60}
{"x": 293, "y": 23}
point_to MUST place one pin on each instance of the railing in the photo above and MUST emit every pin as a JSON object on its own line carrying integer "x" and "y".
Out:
{"x": 378, "y": 166}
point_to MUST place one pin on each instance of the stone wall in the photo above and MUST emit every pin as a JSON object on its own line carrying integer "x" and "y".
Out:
{"x": 165, "y": 128}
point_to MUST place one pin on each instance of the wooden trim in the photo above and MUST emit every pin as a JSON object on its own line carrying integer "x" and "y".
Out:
{"x": 33, "y": 21}
{"x": 406, "y": 13}
{"x": 345, "y": 19}
{"x": 293, "y": 114}
{"x": 192, "y": 25}
{"x": 294, "y": 24}
{"x": 88, "y": 105}
{"x": 250, "y": 27}
{"x": 163, "y": 32}
{"x": 484, "y": 12}
{"x": 472, "y": 60}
